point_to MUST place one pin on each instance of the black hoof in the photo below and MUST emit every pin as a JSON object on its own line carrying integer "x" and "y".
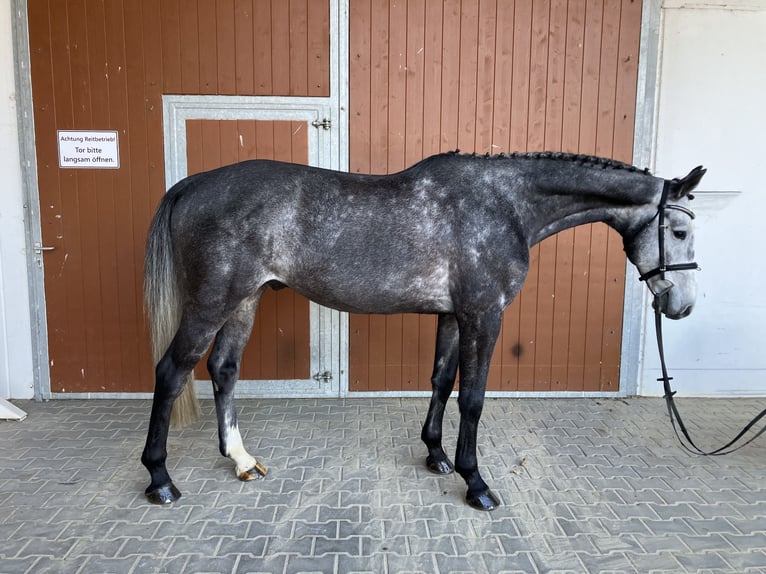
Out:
{"x": 255, "y": 473}
{"x": 164, "y": 494}
{"x": 485, "y": 501}
{"x": 443, "y": 466}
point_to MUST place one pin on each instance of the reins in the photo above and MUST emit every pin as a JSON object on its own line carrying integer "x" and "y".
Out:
{"x": 675, "y": 416}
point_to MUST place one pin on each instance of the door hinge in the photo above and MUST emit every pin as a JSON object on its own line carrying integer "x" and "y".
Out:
{"x": 323, "y": 123}
{"x": 324, "y": 377}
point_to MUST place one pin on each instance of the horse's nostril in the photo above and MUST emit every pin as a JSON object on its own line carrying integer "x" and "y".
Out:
{"x": 685, "y": 312}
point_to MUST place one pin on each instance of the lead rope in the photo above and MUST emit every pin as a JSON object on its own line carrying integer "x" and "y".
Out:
{"x": 675, "y": 416}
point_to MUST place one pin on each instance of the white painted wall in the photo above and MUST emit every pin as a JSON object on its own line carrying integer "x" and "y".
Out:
{"x": 712, "y": 111}
{"x": 16, "y": 365}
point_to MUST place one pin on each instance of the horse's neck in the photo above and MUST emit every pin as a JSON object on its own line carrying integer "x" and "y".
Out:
{"x": 554, "y": 201}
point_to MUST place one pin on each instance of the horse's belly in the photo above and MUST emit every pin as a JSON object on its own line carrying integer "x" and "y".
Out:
{"x": 385, "y": 299}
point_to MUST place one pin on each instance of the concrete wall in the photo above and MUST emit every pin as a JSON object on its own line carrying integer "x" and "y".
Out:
{"x": 16, "y": 365}
{"x": 711, "y": 111}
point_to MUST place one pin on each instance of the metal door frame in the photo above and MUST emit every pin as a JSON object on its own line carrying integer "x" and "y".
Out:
{"x": 325, "y": 325}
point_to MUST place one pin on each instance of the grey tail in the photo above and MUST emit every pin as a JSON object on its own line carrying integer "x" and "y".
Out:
{"x": 162, "y": 301}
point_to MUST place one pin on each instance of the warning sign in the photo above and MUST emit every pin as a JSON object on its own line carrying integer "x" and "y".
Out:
{"x": 92, "y": 149}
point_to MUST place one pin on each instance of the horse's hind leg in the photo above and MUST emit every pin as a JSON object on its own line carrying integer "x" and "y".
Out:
{"x": 187, "y": 348}
{"x": 223, "y": 366}
{"x": 442, "y": 382}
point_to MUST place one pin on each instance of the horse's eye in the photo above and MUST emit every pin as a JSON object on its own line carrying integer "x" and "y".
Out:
{"x": 679, "y": 234}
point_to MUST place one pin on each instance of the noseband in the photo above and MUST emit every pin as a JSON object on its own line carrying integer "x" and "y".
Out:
{"x": 662, "y": 226}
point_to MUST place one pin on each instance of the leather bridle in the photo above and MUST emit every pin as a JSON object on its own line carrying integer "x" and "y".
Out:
{"x": 675, "y": 417}
{"x": 661, "y": 228}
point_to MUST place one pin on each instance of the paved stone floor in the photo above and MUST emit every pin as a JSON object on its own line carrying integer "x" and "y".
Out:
{"x": 588, "y": 485}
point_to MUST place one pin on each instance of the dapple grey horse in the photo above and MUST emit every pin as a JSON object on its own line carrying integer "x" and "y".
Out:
{"x": 449, "y": 236}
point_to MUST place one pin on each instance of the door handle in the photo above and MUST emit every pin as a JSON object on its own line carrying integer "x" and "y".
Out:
{"x": 40, "y": 248}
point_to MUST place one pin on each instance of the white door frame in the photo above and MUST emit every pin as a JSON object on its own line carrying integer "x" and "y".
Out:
{"x": 325, "y": 325}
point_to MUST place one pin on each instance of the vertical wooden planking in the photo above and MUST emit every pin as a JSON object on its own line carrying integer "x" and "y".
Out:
{"x": 450, "y": 85}
{"x": 298, "y": 27}
{"x": 377, "y": 352}
{"x": 64, "y": 369}
{"x": 397, "y": 85}
{"x": 280, "y": 48}
{"x": 226, "y": 47}
{"x": 114, "y": 347}
{"x": 262, "y": 47}
{"x": 467, "y": 71}
{"x": 139, "y": 368}
{"x": 208, "y": 47}
{"x": 360, "y": 91}
{"x": 170, "y": 37}
{"x": 190, "y": 49}
{"x": 432, "y": 78}
{"x": 359, "y": 353}
{"x": 379, "y": 56}
{"x": 243, "y": 47}
{"x": 83, "y": 193}
{"x": 194, "y": 162}
{"x": 485, "y": 78}
{"x": 627, "y": 79}
{"x": 318, "y": 55}
{"x": 414, "y": 84}
{"x": 211, "y": 148}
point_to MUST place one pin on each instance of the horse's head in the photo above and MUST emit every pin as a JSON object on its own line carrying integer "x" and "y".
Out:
{"x": 663, "y": 248}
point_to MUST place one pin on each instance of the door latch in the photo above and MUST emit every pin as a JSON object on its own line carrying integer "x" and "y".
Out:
{"x": 324, "y": 377}
{"x": 323, "y": 123}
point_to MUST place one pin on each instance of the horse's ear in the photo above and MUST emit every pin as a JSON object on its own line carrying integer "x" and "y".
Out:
{"x": 682, "y": 187}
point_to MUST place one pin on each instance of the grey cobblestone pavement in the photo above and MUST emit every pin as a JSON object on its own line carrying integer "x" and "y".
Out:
{"x": 588, "y": 485}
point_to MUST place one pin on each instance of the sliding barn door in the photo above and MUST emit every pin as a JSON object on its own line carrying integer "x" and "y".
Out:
{"x": 491, "y": 76}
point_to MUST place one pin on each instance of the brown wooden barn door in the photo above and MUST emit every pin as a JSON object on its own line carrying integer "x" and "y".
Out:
{"x": 108, "y": 66}
{"x": 491, "y": 76}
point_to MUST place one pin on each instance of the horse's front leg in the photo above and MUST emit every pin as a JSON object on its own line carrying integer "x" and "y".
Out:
{"x": 442, "y": 382}
{"x": 223, "y": 366}
{"x": 477, "y": 340}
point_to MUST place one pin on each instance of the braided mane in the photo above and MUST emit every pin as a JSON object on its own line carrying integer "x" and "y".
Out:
{"x": 595, "y": 161}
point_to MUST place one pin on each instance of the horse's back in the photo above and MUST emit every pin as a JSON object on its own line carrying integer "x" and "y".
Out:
{"x": 365, "y": 243}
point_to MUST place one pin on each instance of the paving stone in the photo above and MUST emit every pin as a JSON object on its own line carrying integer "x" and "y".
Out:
{"x": 604, "y": 488}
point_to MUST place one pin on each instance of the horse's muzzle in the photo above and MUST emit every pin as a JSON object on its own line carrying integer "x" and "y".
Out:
{"x": 661, "y": 290}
